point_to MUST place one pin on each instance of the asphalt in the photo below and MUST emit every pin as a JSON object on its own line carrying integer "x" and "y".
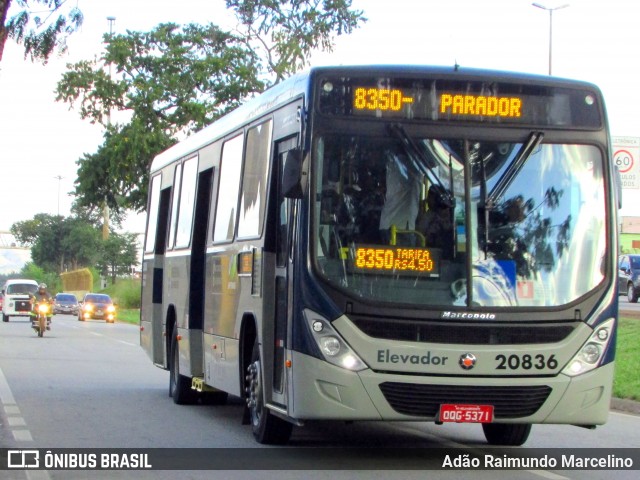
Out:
{"x": 625, "y": 406}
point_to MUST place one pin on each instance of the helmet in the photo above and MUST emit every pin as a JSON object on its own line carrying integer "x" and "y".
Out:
{"x": 42, "y": 286}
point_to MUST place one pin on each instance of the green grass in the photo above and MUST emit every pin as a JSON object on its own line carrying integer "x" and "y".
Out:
{"x": 125, "y": 292}
{"x": 626, "y": 382}
{"x": 128, "y": 316}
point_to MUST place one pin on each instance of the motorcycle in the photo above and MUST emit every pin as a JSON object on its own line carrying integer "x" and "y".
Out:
{"x": 39, "y": 321}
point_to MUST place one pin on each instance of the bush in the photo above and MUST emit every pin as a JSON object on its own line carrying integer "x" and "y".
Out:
{"x": 125, "y": 292}
{"x": 34, "y": 272}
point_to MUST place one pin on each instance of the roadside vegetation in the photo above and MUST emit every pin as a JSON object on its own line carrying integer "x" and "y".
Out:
{"x": 626, "y": 382}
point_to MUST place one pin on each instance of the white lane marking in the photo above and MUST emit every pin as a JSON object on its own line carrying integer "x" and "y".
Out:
{"x": 12, "y": 409}
{"x": 16, "y": 422}
{"x": 37, "y": 475}
{"x": 5, "y": 392}
{"x": 22, "y": 436}
{"x": 630, "y": 415}
{"x": 547, "y": 474}
{"x": 13, "y": 412}
{"x": 477, "y": 450}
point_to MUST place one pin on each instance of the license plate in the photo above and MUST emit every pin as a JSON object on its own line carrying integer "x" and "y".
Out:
{"x": 460, "y": 413}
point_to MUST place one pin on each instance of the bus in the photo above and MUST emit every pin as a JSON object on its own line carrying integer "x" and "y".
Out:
{"x": 390, "y": 243}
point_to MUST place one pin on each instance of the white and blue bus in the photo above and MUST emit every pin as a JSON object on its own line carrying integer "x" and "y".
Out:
{"x": 390, "y": 243}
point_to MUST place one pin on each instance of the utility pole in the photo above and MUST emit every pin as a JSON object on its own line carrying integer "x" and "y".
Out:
{"x": 105, "y": 207}
{"x": 58, "y": 177}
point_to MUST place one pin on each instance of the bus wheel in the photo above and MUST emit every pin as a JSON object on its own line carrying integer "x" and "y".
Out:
{"x": 179, "y": 385}
{"x": 267, "y": 428}
{"x": 5, "y": 318}
{"x": 511, "y": 434}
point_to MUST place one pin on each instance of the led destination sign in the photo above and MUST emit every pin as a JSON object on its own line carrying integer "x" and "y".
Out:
{"x": 481, "y": 105}
{"x": 384, "y": 100}
{"x": 380, "y": 99}
{"x": 443, "y": 100}
{"x": 396, "y": 260}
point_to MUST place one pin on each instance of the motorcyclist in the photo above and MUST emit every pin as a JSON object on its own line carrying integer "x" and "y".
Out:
{"x": 42, "y": 295}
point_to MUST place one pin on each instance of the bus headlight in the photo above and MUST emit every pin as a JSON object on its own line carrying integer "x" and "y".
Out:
{"x": 330, "y": 346}
{"x": 333, "y": 348}
{"x": 590, "y": 355}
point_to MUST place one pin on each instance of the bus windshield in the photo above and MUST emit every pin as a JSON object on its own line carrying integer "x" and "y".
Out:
{"x": 457, "y": 221}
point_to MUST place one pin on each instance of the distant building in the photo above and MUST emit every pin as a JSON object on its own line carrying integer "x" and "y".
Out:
{"x": 630, "y": 235}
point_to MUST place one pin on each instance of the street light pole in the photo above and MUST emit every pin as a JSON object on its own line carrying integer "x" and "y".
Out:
{"x": 550, "y": 10}
{"x": 105, "y": 207}
{"x": 58, "y": 177}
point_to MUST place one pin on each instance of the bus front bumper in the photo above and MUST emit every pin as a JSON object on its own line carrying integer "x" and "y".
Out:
{"x": 328, "y": 392}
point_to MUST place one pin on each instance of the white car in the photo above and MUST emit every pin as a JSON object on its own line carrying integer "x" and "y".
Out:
{"x": 17, "y": 298}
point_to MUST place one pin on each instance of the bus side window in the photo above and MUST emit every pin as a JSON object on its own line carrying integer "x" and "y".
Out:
{"x": 226, "y": 208}
{"x": 254, "y": 182}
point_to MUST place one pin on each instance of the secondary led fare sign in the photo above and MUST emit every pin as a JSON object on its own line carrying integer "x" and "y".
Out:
{"x": 391, "y": 260}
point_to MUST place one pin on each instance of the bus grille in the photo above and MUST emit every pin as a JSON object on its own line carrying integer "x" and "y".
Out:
{"x": 464, "y": 334}
{"x": 425, "y": 400}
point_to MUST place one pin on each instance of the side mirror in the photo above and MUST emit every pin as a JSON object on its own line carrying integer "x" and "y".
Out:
{"x": 292, "y": 174}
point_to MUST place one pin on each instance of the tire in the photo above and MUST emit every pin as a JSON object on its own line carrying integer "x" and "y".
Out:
{"x": 507, "y": 434}
{"x": 266, "y": 427}
{"x": 179, "y": 385}
{"x": 5, "y": 318}
{"x": 42, "y": 324}
{"x": 632, "y": 296}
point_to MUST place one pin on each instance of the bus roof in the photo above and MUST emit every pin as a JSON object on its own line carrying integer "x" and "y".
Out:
{"x": 273, "y": 97}
{"x": 298, "y": 84}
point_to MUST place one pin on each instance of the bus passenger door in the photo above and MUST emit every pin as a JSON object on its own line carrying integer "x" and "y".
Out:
{"x": 283, "y": 215}
{"x": 151, "y": 318}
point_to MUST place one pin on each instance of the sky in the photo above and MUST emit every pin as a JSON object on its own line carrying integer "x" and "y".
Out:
{"x": 41, "y": 140}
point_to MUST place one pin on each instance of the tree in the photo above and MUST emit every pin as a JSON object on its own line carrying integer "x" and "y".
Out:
{"x": 286, "y": 32}
{"x": 120, "y": 252}
{"x": 40, "y": 35}
{"x": 58, "y": 243}
{"x": 115, "y": 173}
{"x": 172, "y": 81}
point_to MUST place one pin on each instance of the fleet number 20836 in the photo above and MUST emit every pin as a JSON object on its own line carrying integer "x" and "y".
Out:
{"x": 526, "y": 362}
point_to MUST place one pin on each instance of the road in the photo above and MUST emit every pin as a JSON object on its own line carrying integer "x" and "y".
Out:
{"x": 626, "y": 308}
{"x": 90, "y": 385}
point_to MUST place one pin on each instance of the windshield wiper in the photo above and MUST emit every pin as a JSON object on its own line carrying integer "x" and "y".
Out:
{"x": 512, "y": 170}
{"x": 419, "y": 159}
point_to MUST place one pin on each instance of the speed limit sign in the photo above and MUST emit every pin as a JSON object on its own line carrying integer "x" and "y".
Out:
{"x": 626, "y": 156}
{"x": 623, "y": 160}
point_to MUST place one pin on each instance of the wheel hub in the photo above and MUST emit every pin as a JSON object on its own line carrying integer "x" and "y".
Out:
{"x": 253, "y": 390}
